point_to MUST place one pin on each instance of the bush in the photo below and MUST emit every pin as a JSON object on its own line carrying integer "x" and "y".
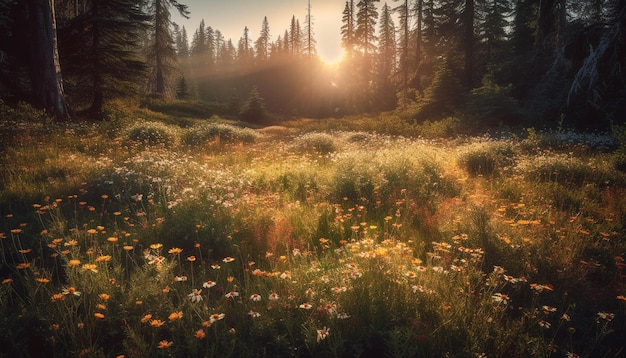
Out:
{"x": 486, "y": 158}
{"x": 203, "y": 133}
{"x": 152, "y": 133}
{"x": 493, "y": 105}
{"x": 321, "y": 143}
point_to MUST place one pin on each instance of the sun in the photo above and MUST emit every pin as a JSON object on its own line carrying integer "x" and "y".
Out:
{"x": 331, "y": 58}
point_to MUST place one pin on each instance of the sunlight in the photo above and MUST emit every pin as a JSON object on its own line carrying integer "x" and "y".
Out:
{"x": 332, "y": 58}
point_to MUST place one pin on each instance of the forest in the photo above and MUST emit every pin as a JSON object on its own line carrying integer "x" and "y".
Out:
{"x": 493, "y": 61}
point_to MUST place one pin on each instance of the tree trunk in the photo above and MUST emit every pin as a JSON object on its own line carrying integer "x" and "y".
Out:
{"x": 46, "y": 81}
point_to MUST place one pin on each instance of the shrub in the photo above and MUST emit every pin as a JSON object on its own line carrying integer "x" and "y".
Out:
{"x": 486, "y": 158}
{"x": 203, "y": 133}
{"x": 320, "y": 143}
{"x": 152, "y": 133}
{"x": 492, "y": 105}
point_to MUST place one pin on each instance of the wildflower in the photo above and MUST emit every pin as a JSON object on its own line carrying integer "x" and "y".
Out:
{"x": 255, "y": 297}
{"x": 175, "y": 251}
{"x": 112, "y": 239}
{"x": 42, "y": 280}
{"x": 339, "y": 289}
{"x": 103, "y": 258}
{"x": 146, "y": 318}
{"x": 92, "y": 231}
{"x": 232, "y": 294}
{"x": 73, "y": 262}
{"x": 156, "y": 246}
{"x": 195, "y": 295}
{"x": 200, "y": 334}
{"x": 228, "y": 259}
{"x": 180, "y": 278}
{"x": 175, "y": 315}
{"x": 343, "y": 315}
{"x": 128, "y": 247}
{"x": 606, "y": 316}
{"x": 230, "y": 279}
{"x": 216, "y": 317}
{"x": 548, "y": 309}
{"x": 621, "y": 297}
{"x": 57, "y": 297}
{"x": 274, "y": 296}
{"x": 254, "y": 314}
{"x": 572, "y": 355}
{"x": 71, "y": 291}
{"x": 501, "y": 298}
{"x": 24, "y": 251}
{"x": 566, "y": 317}
{"x": 410, "y": 274}
{"x": 156, "y": 323}
{"x": 322, "y": 333}
{"x": 90, "y": 267}
{"x": 166, "y": 289}
{"x": 100, "y": 306}
{"x": 285, "y": 275}
{"x": 215, "y": 267}
{"x": 545, "y": 324}
{"x": 98, "y": 315}
{"x": 191, "y": 258}
{"x": 164, "y": 344}
{"x": 539, "y": 288}
{"x": 209, "y": 284}
{"x": 306, "y": 306}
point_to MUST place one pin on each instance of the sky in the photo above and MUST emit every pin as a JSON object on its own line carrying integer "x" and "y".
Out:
{"x": 231, "y": 16}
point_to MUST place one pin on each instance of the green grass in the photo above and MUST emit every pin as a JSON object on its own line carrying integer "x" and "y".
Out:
{"x": 317, "y": 239}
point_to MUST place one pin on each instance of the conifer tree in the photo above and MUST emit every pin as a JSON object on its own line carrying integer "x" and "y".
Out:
{"x": 100, "y": 53}
{"x": 262, "y": 44}
{"x": 161, "y": 52}
{"x": 348, "y": 38}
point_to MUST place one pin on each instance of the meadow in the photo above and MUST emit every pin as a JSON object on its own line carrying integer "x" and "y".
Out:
{"x": 166, "y": 236}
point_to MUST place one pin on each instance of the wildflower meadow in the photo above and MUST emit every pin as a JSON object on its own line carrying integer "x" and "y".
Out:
{"x": 183, "y": 239}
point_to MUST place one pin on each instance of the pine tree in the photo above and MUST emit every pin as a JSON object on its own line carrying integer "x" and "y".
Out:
{"x": 348, "y": 38}
{"x": 365, "y": 33}
{"x": 181, "y": 41}
{"x": 254, "y": 108}
{"x": 199, "y": 41}
{"x": 386, "y": 59}
{"x": 263, "y": 42}
{"x": 100, "y": 52}
{"x": 161, "y": 52}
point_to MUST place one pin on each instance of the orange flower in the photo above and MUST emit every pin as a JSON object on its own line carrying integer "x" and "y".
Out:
{"x": 57, "y": 297}
{"x": 104, "y": 296}
{"x": 42, "y": 280}
{"x": 191, "y": 258}
{"x": 175, "y": 316}
{"x": 175, "y": 251}
{"x": 24, "y": 251}
{"x": 165, "y": 344}
{"x": 98, "y": 315}
{"x": 156, "y": 323}
{"x": 128, "y": 247}
{"x": 146, "y": 318}
{"x": 200, "y": 334}
{"x": 73, "y": 262}
{"x": 23, "y": 265}
{"x": 92, "y": 231}
{"x": 112, "y": 239}
{"x": 103, "y": 258}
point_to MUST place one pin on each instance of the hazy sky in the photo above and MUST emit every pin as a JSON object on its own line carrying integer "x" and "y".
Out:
{"x": 231, "y": 16}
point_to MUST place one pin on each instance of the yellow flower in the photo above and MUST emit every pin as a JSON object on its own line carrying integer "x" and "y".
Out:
{"x": 156, "y": 246}
{"x": 103, "y": 258}
{"x": 112, "y": 239}
{"x": 92, "y": 231}
{"x": 127, "y": 247}
{"x": 73, "y": 262}
{"x": 174, "y": 250}
{"x": 90, "y": 267}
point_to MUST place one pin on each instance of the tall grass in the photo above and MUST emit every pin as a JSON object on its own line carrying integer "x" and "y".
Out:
{"x": 147, "y": 241}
